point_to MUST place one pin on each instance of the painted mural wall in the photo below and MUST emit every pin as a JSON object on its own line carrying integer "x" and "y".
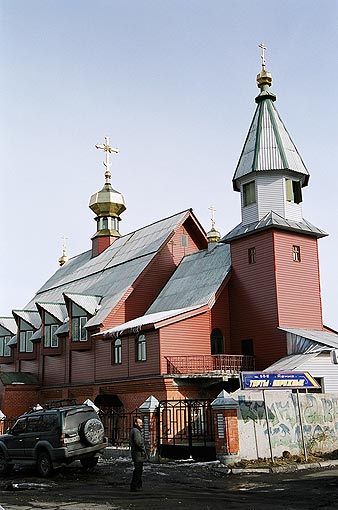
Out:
{"x": 313, "y": 420}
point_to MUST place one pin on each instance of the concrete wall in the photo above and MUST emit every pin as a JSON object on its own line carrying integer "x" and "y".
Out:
{"x": 319, "y": 412}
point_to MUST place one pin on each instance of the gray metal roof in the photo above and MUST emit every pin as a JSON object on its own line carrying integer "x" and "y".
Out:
{"x": 36, "y": 335}
{"x": 32, "y": 317}
{"x": 110, "y": 274}
{"x": 64, "y": 328}
{"x": 13, "y": 341}
{"x": 292, "y": 362}
{"x": 88, "y": 303}
{"x": 8, "y": 378}
{"x": 57, "y": 310}
{"x": 272, "y": 219}
{"x": 9, "y": 324}
{"x": 195, "y": 281}
{"x": 268, "y": 146}
{"x": 322, "y": 338}
{"x": 151, "y": 318}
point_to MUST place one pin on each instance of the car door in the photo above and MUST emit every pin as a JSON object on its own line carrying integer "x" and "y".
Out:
{"x": 15, "y": 439}
{"x": 32, "y": 435}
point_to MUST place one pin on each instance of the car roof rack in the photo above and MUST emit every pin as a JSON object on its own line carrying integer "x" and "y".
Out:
{"x": 60, "y": 403}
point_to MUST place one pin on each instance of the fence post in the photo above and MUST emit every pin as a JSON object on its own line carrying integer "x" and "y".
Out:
{"x": 224, "y": 410}
{"x": 150, "y": 416}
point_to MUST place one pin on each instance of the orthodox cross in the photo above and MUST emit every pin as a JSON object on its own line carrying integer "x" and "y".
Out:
{"x": 212, "y": 209}
{"x": 263, "y": 48}
{"x": 64, "y": 239}
{"x": 108, "y": 150}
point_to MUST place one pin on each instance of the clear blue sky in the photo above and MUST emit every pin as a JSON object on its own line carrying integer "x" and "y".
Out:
{"x": 172, "y": 82}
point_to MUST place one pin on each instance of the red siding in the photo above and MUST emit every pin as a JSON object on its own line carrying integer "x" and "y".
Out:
{"x": 220, "y": 318}
{"x": 298, "y": 283}
{"x": 82, "y": 366}
{"x": 252, "y": 293}
{"x": 185, "y": 338}
{"x": 54, "y": 370}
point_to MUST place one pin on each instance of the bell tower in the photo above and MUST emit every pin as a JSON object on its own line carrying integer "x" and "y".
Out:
{"x": 275, "y": 279}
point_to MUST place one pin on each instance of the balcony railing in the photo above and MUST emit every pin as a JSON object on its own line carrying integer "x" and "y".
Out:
{"x": 203, "y": 364}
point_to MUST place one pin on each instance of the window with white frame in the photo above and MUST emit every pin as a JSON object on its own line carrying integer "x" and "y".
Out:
{"x": 117, "y": 352}
{"x": 25, "y": 343}
{"x": 5, "y": 350}
{"x": 141, "y": 348}
{"x": 79, "y": 320}
{"x": 50, "y": 338}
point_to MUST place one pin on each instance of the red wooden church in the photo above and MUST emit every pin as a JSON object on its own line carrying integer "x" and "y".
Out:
{"x": 171, "y": 311}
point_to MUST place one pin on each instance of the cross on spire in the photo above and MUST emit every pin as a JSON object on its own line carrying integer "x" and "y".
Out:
{"x": 213, "y": 210}
{"x": 108, "y": 150}
{"x": 263, "y": 48}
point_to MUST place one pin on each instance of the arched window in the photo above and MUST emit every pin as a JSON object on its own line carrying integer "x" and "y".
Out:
{"x": 217, "y": 344}
{"x": 117, "y": 354}
{"x": 141, "y": 348}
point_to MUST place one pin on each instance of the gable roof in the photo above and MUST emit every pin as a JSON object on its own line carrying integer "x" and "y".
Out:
{"x": 9, "y": 324}
{"x": 268, "y": 146}
{"x": 292, "y": 362}
{"x": 195, "y": 281}
{"x": 318, "y": 338}
{"x": 272, "y": 219}
{"x": 112, "y": 273}
{"x": 191, "y": 289}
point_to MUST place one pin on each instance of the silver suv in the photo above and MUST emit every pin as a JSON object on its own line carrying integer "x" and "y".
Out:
{"x": 49, "y": 438}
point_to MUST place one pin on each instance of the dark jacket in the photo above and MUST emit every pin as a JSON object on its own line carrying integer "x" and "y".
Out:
{"x": 138, "y": 450}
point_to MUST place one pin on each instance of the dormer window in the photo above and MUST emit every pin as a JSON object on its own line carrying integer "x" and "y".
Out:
{"x": 249, "y": 193}
{"x": 5, "y": 350}
{"x": 50, "y": 326}
{"x": 25, "y": 343}
{"x": 293, "y": 190}
{"x": 79, "y": 320}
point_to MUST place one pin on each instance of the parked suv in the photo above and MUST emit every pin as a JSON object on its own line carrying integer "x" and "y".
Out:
{"x": 48, "y": 438}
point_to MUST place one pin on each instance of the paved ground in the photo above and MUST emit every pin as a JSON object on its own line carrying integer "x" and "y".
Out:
{"x": 190, "y": 486}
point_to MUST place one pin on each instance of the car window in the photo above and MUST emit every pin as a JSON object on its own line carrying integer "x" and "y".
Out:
{"x": 33, "y": 424}
{"x": 19, "y": 426}
{"x": 49, "y": 422}
{"x": 74, "y": 418}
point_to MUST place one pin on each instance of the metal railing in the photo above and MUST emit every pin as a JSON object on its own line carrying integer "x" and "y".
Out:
{"x": 199, "y": 364}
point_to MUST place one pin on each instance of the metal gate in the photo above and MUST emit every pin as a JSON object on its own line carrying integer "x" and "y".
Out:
{"x": 185, "y": 429}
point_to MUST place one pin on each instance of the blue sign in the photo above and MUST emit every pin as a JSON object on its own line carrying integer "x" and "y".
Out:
{"x": 277, "y": 381}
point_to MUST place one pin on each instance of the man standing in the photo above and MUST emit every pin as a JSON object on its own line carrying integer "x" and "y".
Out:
{"x": 138, "y": 454}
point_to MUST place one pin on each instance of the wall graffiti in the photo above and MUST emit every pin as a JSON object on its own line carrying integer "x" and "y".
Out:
{"x": 319, "y": 417}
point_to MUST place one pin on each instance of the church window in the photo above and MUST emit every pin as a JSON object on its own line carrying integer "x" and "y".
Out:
{"x": 5, "y": 350}
{"x": 25, "y": 344}
{"x": 217, "y": 345}
{"x": 117, "y": 352}
{"x": 249, "y": 193}
{"x": 293, "y": 191}
{"x": 50, "y": 338}
{"x": 105, "y": 223}
{"x": 141, "y": 348}
{"x": 252, "y": 255}
{"x": 184, "y": 240}
{"x": 296, "y": 253}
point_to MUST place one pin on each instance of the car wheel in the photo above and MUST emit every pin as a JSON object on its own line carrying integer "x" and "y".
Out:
{"x": 92, "y": 431}
{"x": 44, "y": 464}
{"x": 89, "y": 462}
{"x": 5, "y": 468}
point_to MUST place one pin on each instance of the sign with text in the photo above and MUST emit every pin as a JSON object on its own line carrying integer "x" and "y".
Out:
{"x": 278, "y": 381}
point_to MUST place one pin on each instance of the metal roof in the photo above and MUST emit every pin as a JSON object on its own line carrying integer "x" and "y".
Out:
{"x": 57, "y": 310}
{"x": 272, "y": 219}
{"x": 32, "y": 317}
{"x": 112, "y": 273}
{"x": 195, "y": 281}
{"x": 88, "y": 303}
{"x": 151, "y": 318}
{"x": 13, "y": 340}
{"x": 268, "y": 146}
{"x": 9, "y": 324}
{"x": 36, "y": 335}
{"x": 323, "y": 338}
{"x": 64, "y": 328}
{"x": 8, "y": 378}
{"x": 291, "y": 362}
